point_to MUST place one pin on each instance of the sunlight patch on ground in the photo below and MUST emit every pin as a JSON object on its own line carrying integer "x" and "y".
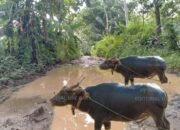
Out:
{"x": 88, "y": 120}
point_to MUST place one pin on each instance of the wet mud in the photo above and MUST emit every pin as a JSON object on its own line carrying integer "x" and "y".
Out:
{"x": 27, "y": 108}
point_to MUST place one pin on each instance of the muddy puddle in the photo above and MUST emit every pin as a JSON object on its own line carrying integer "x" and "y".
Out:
{"x": 34, "y": 95}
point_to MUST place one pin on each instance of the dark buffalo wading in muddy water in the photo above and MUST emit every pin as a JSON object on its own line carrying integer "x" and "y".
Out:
{"x": 137, "y": 67}
{"x": 114, "y": 102}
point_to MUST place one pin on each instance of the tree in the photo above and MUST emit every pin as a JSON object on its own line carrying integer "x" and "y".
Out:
{"x": 38, "y": 27}
{"x": 157, "y": 4}
{"x": 126, "y": 12}
{"x": 106, "y": 17}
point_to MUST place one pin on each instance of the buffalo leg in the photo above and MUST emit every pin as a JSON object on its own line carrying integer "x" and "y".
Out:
{"x": 107, "y": 125}
{"x": 126, "y": 80}
{"x": 132, "y": 81}
{"x": 159, "y": 117}
{"x": 165, "y": 122}
{"x": 165, "y": 78}
{"x": 162, "y": 124}
{"x": 98, "y": 125}
{"x": 162, "y": 77}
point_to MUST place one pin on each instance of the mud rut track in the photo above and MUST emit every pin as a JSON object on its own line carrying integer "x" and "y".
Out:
{"x": 37, "y": 113}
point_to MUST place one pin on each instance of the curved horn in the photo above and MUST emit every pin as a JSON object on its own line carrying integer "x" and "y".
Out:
{"x": 77, "y": 84}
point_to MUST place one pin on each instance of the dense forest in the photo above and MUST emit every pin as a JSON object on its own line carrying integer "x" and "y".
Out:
{"x": 35, "y": 34}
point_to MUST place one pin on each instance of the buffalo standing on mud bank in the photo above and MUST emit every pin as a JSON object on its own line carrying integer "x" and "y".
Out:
{"x": 114, "y": 102}
{"x": 137, "y": 67}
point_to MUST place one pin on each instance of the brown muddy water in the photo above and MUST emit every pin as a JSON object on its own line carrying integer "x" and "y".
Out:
{"x": 26, "y": 98}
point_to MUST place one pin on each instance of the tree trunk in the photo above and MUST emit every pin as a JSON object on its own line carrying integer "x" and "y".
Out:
{"x": 126, "y": 12}
{"x": 158, "y": 22}
{"x": 45, "y": 30}
{"x": 33, "y": 41}
{"x": 44, "y": 22}
{"x": 107, "y": 19}
{"x": 34, "y": 54}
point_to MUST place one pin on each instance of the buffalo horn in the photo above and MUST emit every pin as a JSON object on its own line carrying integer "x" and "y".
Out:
{"x": 77, "y": 84}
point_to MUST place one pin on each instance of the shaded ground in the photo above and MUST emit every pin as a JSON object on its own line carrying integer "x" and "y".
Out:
{"x": 28, "y": 75}
{"x": 25, "y": 107}
{"x": 38, "y": 118}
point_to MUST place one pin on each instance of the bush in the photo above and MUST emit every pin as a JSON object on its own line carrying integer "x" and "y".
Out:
{"x": 137, "y": 39}
{"x": 67, "y": 50}
{"x": 46, "y": 56}
{"x": 105, "y": 47}
{"x": 10, "y": 68}
{"x": 128, "y": 42}
{"x": 173, "y": 60}
{"x": 170, "y": 35}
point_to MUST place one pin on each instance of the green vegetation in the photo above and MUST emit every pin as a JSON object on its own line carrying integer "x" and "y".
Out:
{"x": 133, "y": 37}
{"x": 35, "y": 34}
{"x": 10, "y": 69}
{"x": 140, "y": 36}
{"x": 138, "y": 39}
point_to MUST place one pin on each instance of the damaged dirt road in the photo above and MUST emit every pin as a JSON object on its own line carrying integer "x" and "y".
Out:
{"x": 27, "y": 108}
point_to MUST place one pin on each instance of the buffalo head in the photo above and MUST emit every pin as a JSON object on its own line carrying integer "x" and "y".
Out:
{"x": 110, "y": 64}
{"x": 67, "y": 95}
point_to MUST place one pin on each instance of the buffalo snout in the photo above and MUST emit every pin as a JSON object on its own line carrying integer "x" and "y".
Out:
{"x": 53, "y": 102}
{"x": 58, "y": 101}
{"x": 104, "y": 66}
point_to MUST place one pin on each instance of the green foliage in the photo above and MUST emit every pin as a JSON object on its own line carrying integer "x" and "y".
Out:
{"x": 2, "y": 46}
{"x": 173, "y": 60}
{"x": 128, "y": 42}
{"x": 10, "y": 68}
{"x": 34, "y": 36}
{"x": 45, "y": 56}
{"x": 171, "y": 36}
{"x": 104, "y": 16}
{"x": 137, "y": 39}
{"x": 39, "y": 33}
{"x": 24, "y": 51}
{"x": 70, "y": 50}
{"x": 104, "y": 47}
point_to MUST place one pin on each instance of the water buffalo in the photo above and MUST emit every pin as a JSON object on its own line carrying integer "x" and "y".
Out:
{"x": 108, "y": 102}
{"x": 137, "y": 67}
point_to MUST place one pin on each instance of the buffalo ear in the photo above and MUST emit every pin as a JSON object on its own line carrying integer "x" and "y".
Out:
{"x": 81, "y": 92}
{"x": 76, "y": 85}
{"x": 115, "y": 61}
{"x": 78, "y": 90}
